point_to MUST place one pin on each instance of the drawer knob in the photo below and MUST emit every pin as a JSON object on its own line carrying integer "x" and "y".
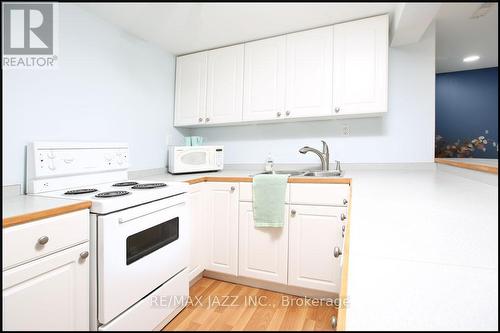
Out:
{"x": 342, "y": 217}
{"x": 345, "y": 201}
{"x": 278, "y": 114}
{"x": 287, "y": 113}
{"x": 233, "y": 188}
{"x": 43, "y": 240}
{"x": 337, "y": 110}
{"x": 334, "y": 322}
{"x": 84, "y": 255}
{"x": 337, "y": 252}
{"x": 207, "y": 119}
{"x": 200, "y": 120}
{"x": 293, "y": 212}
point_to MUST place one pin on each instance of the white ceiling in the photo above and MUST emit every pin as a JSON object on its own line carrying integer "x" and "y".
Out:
{"x": 188, "y": 27}
{"x": 458, "y": 36}
{"x": 182, "y": 28}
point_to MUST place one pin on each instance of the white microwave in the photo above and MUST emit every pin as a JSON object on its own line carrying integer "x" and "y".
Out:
{"x": 185, "y": 159}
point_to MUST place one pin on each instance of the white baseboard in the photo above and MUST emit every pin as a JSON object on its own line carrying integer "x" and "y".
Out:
{"x": 272, "y": 286}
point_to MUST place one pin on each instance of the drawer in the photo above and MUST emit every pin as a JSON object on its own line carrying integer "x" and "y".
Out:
{"x": 246, "y": 192}
{"x": 319, "y": 194}
{"x": 21, "y": 242}
{"x": 155, "y": 310}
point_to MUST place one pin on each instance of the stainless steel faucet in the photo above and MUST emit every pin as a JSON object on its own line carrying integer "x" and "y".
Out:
{"x": 323, "y": 156}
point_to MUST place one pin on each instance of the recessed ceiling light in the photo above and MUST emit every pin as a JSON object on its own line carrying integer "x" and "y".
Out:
{"x": 471, "y": 58}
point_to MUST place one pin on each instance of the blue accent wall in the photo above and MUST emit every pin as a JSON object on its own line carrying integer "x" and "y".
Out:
{"x": 467, "y": 111}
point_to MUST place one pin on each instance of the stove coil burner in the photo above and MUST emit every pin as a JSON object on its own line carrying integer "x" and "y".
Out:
{"x": 126, "y": 184}
{"x": 111, "y": 194}
{"x": 148, "y": 186}
{"x": 81, "y": 191}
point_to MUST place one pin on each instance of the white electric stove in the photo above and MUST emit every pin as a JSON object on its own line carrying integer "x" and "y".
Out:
{"x": 139, "y": 231}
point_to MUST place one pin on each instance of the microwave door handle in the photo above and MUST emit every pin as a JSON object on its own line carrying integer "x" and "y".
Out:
{"x": 212, "y": 159}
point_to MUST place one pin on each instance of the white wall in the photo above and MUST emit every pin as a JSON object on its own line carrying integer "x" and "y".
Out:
{"x": 404, "y": 135}
{"x": 109, "y": 86}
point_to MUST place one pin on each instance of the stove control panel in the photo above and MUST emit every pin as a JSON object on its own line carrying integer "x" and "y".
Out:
{"x": 52, "y": 160}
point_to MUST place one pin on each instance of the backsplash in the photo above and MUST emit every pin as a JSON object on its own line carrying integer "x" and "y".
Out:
{"x": 467, "y": 114}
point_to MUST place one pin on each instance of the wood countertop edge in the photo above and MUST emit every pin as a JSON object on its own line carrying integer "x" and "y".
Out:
{"x": 42, "y": 214}
{"x": 296, "y": 180}
{"x": 468, "y": 165}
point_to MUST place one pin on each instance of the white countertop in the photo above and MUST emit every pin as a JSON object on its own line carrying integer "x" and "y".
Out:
{"x": 25, "y": 208}
{"x": 423, "y": 249}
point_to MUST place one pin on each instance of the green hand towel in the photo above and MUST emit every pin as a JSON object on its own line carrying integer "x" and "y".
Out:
{"x": 269, "y": 200}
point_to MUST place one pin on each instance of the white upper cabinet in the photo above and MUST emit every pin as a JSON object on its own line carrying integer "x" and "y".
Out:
{"x": 309, "y": 62}
{"x": 225, "y": 85}
{"x": 339, "y": 70}
{"x": 191, "y": 89}
{"x": 264, "y": 80}
{"x": 360, "y": 66}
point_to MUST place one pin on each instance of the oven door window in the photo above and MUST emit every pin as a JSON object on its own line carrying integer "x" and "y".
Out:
{"x": 149, "y": 240}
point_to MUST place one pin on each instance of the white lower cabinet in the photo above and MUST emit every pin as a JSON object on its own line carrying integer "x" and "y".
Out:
{"x": 224, "y": 238}
{"x": 198, "y": 232}
{"x": 314, "y": 232}
{"x": 51, "y": 293}
{"x": 222, "y": 223}
{"x": 263, "y": 252}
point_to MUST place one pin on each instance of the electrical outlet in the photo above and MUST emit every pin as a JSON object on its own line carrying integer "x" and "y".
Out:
{"x": 346, "y": 130}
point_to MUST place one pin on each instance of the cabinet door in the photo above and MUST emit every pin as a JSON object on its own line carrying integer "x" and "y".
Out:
{"x": 309, "y": 62}
{"x": 264, "y": 82}
{"x": 222, "y": 215}
{"x": 263, "y": 252}
{"x": 197, "y": 207}
{"x": 51, "y": 293}
{"x": 225, "y": 85}
{"x": 191, "y": 89}
{"x": 360, "y": 55}
{"x": 314, "y": 233}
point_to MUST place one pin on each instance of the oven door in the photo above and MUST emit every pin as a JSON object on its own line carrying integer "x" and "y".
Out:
{"x": 139, "y": 249}
{"x": 193, "y": 160}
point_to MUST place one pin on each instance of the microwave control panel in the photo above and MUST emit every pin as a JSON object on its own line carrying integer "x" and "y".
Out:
{"x": 219, "y": 158}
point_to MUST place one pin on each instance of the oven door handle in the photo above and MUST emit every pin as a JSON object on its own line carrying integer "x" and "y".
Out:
{"x": 123, "y": 220}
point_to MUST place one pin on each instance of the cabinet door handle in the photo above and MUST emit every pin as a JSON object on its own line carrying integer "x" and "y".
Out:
{"x": 287, "y": 113}
{"x": 293, "y": 212}
{"x": 43, "y": 240}
{"x": 84, "y": 255}
{"x": 278, "y": 114}
{"x": 233, "y": 188}
{"x": 342, "y": 217}
{"x": 200, "y": 120}
{"x": 345, "y": 201}
{"x": 207, "y": 119}
{"x": 337, "y": 252}
{"x": 337, "y": 110}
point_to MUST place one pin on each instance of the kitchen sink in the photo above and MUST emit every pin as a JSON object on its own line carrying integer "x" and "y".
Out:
{"x": 332, "y": 173}
{"x": 283, "y": 172}
{"x": 317, "y": 173}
